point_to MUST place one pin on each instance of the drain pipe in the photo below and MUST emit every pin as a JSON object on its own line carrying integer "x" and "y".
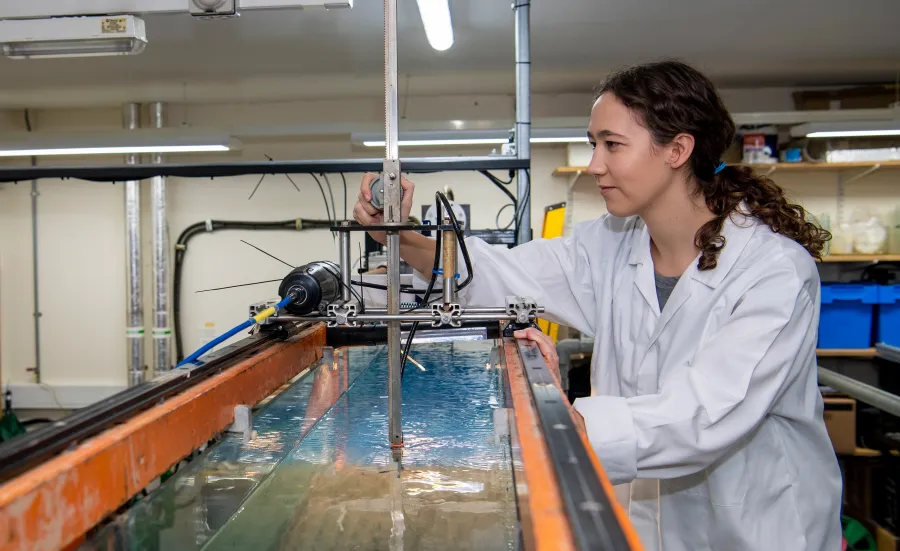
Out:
{"x": 162, "y": 332}
{"x": 134, "y": 331}
{"x": 34, "y": 268}
{"x": 565, "y": 349}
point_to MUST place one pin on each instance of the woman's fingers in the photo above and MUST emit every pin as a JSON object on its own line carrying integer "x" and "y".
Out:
{"x": 544, "y": 343}
{"x": 364, "y": 217}
{"x": 365, "y": 190}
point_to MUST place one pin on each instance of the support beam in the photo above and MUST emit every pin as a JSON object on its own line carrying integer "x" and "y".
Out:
{"x": 16, "y": 9}
{"x": 134, "y": 330}
{"x": 523, "y": 116}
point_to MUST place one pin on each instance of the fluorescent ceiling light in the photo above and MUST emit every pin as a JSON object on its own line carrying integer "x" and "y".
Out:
{"x": 438, "y": 25}
{"x": 573, "y": 139}
{"x": 112, "y": 150}
{"x": 416, "y": 143}
{"x": 72, "y": 37}
{"x": 849, "y": 129}
{"x": 853, "y": 133}
{"x": 472, "y": 137}
{"x": 114, "y": 143}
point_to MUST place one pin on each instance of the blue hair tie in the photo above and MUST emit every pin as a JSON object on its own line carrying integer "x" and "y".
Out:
{"x": 720, "y": 168}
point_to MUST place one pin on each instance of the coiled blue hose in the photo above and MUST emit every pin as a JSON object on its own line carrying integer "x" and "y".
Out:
{"x": 268, "y": 312}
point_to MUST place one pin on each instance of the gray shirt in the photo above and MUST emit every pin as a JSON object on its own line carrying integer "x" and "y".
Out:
{"x": 664, "y": 286}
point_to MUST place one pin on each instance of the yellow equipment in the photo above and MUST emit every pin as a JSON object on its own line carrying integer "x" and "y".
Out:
{"x": 554, "y": 220}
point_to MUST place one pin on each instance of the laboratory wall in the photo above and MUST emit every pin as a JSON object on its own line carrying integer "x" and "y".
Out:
{"x": 81, "y": 230}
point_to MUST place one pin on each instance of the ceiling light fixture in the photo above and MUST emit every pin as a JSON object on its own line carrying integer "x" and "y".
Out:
{"x": 438, "y": 25}
{"x": 114, "y": 143}
{"x": 472, "y": 137}
{"x": 72, "y": 37}
{"x": 849, "y": 129}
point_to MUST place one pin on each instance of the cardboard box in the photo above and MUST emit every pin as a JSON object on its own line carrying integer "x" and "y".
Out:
{"x": 840, "y": 420}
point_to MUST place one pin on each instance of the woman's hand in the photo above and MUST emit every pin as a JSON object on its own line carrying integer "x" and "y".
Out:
{"x": 367, "y": 215}
{"x": 548, "y": 348}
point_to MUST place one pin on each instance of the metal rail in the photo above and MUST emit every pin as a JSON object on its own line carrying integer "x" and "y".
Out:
{"x": 375, "y": 318}
{"x": 885, "y": 401}
{"x": 590, "y": 513}
{"x": 122, "y": 173}
{"x": 392, "y": 176}
{"x": 33, "y": 448}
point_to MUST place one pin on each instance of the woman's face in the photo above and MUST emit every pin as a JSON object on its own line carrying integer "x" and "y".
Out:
{"x": 630, "y": 170}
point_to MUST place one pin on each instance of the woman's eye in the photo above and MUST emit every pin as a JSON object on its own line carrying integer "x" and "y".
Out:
{"x": 593, "y": 145}
{"x": 612, "y": 145}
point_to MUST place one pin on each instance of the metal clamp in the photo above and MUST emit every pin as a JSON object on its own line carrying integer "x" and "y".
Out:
{"x": 524, "y": 308}
{"x": 446, "y": 314}
{"x": 343, "y": 315}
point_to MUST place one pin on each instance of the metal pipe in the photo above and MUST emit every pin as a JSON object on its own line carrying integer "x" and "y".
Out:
{"x": 34, "y": 256}
{"x": 134, "y": 331}
{"x": 162, "y": 333}
{"x": 448, "y": 242}
{"x": 391, "y": 177}
{"x": 523, "y": 116}
{"x": 368, "y": 318}
{"x": 885, "y": 401}
{"x": 478, "y": 310}
{"x": 36, "y": 312}
{"x": 344, "y": 241}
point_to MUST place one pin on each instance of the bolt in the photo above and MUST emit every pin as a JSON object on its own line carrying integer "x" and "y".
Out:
{"x": 392, "y": 176}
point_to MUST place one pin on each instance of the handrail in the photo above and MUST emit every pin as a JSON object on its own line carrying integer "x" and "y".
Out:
{"x": 871, "y": 395}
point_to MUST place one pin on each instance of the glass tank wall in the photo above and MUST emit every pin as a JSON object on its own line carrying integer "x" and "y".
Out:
{"x": 333, "y": 484}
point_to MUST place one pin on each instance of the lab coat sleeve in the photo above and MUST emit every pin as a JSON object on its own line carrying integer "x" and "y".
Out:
{"x": 701, "y": 411}
{"x": 555, "y": 273}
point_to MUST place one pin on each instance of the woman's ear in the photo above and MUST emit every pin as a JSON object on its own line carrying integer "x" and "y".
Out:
{"x": 680, "y": 150}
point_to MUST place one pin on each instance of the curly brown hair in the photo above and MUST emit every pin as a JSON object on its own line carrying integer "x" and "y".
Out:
{"x": 671, "y": 98}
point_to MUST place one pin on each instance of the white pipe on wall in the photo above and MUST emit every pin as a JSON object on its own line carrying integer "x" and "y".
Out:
{"x": 134, "y": 330}
{"x": 162, "y": 331}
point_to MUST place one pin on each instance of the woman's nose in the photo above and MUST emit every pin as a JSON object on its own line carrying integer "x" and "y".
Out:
{"x": 597, "y": 166}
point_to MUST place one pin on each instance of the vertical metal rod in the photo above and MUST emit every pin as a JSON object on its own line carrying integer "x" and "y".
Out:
{"x": 392, "y": 215}
{"x": 34, "y": 255}
{"x": 162, "y": 333}
{"x": 36, "y": 314}
{"x": 523, "y": 115}
{"x": 344, "y": 242}
{"x": 448, "y": 242}
{"x": 134, "y": 331}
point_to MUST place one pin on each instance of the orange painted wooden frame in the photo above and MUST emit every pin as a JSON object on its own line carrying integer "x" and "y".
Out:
{"x": 550, "y": 529}
{"x": 52, "y": 506}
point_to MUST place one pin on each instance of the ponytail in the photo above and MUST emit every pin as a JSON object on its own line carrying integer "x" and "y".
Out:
{"x": 737, "y": 188}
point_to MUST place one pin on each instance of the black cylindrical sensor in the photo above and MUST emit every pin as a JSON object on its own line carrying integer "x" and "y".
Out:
{"x": 315, "y": 285}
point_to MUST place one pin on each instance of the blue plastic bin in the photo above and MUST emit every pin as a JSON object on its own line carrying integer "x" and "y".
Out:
{"x": 845, "y": 319}
{"x": 889, "y": 314}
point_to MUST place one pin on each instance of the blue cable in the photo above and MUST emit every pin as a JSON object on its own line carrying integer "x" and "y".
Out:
{"x": 234, "y": 331}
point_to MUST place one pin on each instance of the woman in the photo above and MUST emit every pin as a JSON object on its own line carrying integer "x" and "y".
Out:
{"x": 702, "y": 294}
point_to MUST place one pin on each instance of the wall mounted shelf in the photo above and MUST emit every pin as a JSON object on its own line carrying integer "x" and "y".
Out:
{"x": 776, "y": 167}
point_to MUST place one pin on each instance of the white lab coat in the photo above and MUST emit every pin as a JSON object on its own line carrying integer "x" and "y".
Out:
{"x": 710, "y": 409}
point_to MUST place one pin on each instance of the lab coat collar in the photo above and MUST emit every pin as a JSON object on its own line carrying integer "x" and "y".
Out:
{"x": 737, "y": 230}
